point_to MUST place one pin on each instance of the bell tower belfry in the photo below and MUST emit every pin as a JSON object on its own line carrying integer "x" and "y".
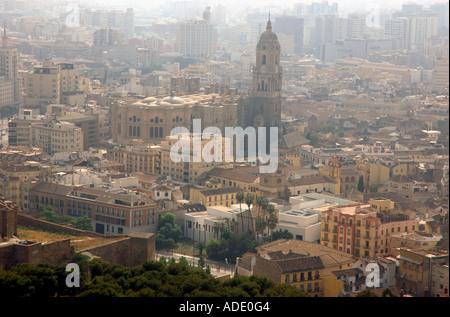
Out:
{"x": 265, "y": 104}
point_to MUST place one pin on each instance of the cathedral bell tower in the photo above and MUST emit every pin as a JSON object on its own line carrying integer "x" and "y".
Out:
{"x": 265, "y": 106}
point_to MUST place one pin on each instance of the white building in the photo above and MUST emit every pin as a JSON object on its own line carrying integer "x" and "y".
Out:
{"x": 302, "y": 217}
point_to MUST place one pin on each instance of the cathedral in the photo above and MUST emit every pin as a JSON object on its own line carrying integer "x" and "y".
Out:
{"x": 152, "y": 118}
{"x": 262, "y": 108}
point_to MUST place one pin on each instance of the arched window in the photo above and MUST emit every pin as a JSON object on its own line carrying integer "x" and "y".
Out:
{"x": 161, "y": 132}
{"x": 264, "y": 60}
{"x": 151, "y": 132}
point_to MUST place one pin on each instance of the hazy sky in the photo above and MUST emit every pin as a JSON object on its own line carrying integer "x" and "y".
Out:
{"x": 255, "y": 3}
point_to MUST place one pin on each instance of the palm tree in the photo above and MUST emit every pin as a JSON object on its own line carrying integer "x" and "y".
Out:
{"x": 249, "y": 201}
{"x": 234, "y": 226}
{"x": 262, "y": 202}
{"x": 221, "y": 228}
{"x": 216, "y": 228}
{"x": 260, "y": 224}
{"x": 270, "y": 209}
{"x": 272, "y": 222}
{"x": 240, "y": 199}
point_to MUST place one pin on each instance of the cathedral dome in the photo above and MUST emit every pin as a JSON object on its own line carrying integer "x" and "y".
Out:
{"x": 268, "y": 34}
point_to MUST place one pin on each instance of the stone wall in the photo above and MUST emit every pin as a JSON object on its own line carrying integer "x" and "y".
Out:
{"x": 29, "y": 221}
{"x": 56, "y": 253}
{"x": 8, "y": 218}
{"x": 132, "y": 251}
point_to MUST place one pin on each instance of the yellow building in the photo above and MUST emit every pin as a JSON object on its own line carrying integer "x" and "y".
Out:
{"x": 55, "y": 137}
{"x": 405, "y": 169}
{"x": 381, "y": 204}
{"x": 305, "y": 265}
{"x": 362, "y": 232}
{"x": 139, "y": 158}
{"x": 440, "y": 75}
{"x": 222, "y": 196}
{"x": 415, "y": 270}
{"x": 51, "y": 83}
{"x": 43, "y": 85}
{"x": 193, "y": 166}
{"x": 16, "y": 180}
{"x": 234, "y": 178}
{"x": 373, "y": 173}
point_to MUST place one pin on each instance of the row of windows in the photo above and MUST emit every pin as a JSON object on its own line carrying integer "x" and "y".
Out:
{"x": 302, "y": 277}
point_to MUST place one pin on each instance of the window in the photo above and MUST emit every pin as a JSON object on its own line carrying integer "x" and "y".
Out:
{"x": 264, "y": 60}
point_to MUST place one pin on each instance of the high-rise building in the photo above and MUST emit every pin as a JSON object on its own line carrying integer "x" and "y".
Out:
{"x": 291, "y": 25}
{"x": 197, "y": 37}
{"x": 110, "y": 18}
{"x": 413, "y": 29}
{"x": 440, "y": 80}
{"x": 10, "y": 90}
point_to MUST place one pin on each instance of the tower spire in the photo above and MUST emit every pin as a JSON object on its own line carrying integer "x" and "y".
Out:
{"x": 269, "y": 24}
{"x": 5, "y": 37}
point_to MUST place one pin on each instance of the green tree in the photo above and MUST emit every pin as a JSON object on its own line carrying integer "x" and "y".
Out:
{"x": 83, "y": 223}
{"x": 388, "y": 293}
{"x": 361, "y": 184}
{"x": 272, "y": 221}
{"x": 168, "y": 232}
{"x": 367, "y": 293}
{"x": 260, "y": 224}
{"x": 373, "y": 188}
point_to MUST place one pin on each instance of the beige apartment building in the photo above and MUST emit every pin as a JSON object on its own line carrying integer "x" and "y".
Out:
{"x": 363, "y": 232}
{"x": 51, "y": 83}
{"x": 16, "y": 180}
{"x": 188, "y": 170}
{"x": 9, "y": 83}
{"x": 440, "y": 79}
{"x": 55, "y": 137}
{"x": 138, "y": 158}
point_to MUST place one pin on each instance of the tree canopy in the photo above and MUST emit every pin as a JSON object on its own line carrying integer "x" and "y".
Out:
{"x": 151, "y": 279}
